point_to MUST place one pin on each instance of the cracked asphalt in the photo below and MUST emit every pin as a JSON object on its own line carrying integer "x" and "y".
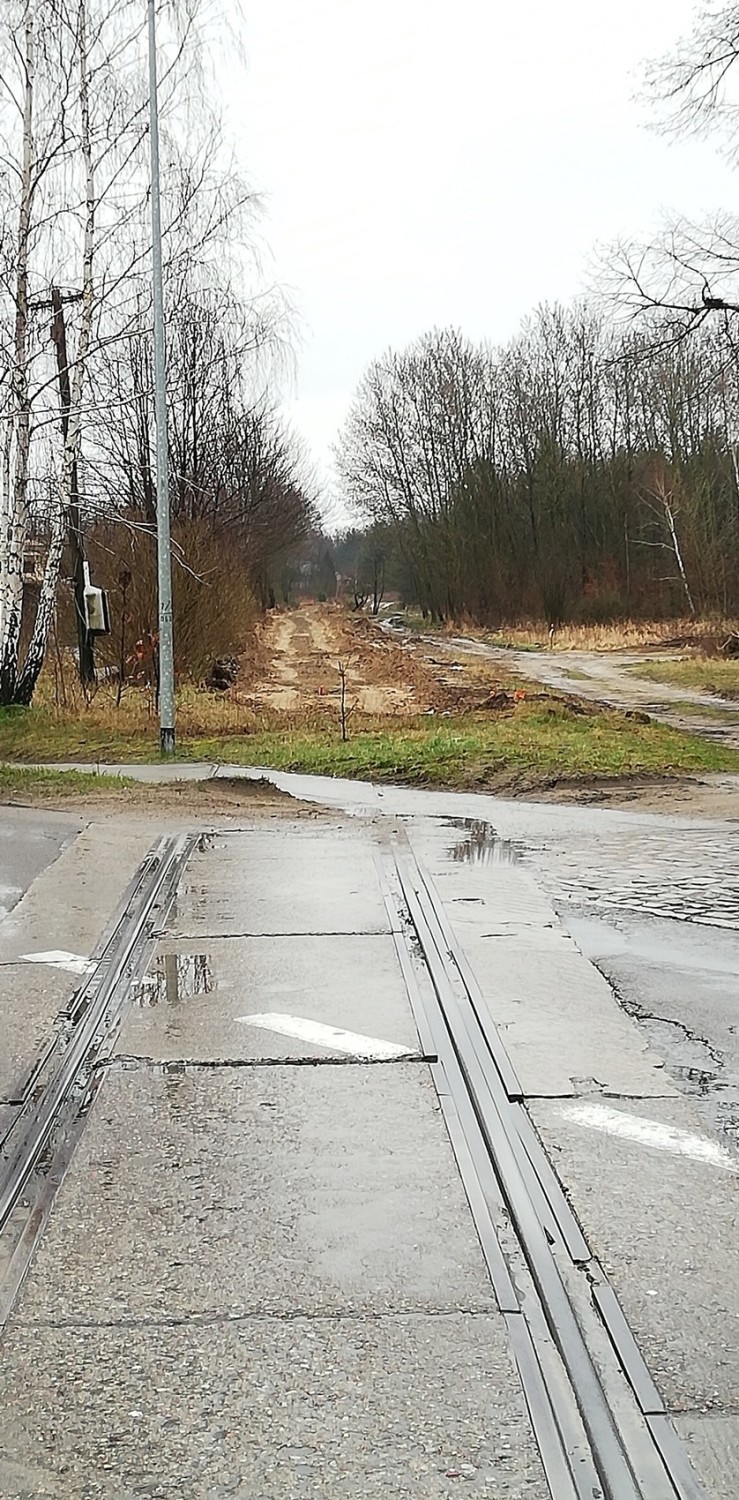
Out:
{"x": 654, "y": 903}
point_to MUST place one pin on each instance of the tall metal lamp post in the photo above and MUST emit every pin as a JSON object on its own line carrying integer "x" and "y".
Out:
{"x": 164, "y": 551}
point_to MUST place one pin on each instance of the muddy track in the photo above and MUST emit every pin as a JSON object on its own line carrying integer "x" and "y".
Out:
{"x": 611, "y": 680}
{"x": 301, "y": 651}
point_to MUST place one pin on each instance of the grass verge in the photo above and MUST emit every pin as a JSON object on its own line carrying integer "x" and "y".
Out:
{"x": 530, "y": 747}
{"x": 20, "y": 781}
{"x": 536, "y": 743}
{"x": 706, "y": 674}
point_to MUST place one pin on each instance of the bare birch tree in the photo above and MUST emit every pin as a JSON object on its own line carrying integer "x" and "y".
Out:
{"x": 74, "y": 178}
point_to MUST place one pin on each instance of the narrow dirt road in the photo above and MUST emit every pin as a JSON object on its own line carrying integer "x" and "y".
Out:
{"x": 610, "y": 678}
{"x": 391, "y": 672}
{"x": 301, "y": 653}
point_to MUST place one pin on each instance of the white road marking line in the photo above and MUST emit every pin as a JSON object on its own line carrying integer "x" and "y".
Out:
{"x": 649, "y": 1133}
{"x": 57, "y": 958}
{"x": 331, "y": 1037}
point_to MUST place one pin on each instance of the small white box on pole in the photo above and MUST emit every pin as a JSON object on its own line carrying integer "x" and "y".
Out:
{"x": 97, "y": 615}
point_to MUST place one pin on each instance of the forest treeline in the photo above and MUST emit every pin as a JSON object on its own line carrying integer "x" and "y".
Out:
{"x": 583, "y": 471}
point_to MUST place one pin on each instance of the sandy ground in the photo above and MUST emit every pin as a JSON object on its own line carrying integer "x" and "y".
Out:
{"x": 209, "y": 801}
{"x": 396, "y": 675}
{"x": 691, "y": 797}
{"x": 401, "y": 675}
{"x": 301, "y": 653}
{"x": 223, "y": 800}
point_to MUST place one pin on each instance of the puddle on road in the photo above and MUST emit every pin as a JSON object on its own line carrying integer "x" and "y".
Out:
{"x": 698, "y": 1080}
{"x": 481, "y": 845}
{"x": 174, "y": 977}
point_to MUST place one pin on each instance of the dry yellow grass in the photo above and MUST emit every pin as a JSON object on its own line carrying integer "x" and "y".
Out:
{"x": 619, "y": 635}
{"x": 198, "y": 712}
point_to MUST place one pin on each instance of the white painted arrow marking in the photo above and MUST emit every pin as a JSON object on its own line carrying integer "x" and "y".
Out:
{"x": 58, "y": 958}
{"x": 331, "y": 1037}
{"x": 649, "y": 1133}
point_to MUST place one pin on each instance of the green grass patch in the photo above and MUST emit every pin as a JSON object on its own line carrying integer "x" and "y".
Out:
{"x": 20, "y": 781}
{"x": 533, "y": 743}
{"x": 705, "y": 674}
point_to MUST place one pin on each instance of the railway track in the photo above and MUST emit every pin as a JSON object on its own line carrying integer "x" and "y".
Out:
{"x": 53, "y": 1101}
{"x": 601, "y": 1426}
{"x": 600, "y": 1423}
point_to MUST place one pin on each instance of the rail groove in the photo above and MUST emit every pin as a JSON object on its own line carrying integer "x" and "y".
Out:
{"x": 37, "y": 1148}
{"x": 599, "y": 1420}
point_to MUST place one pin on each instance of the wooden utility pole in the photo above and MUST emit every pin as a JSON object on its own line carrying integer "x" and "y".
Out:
{"x": 85, "y": 650}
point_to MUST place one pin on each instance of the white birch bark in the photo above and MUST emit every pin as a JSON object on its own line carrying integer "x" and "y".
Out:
{"x": 14, "y": 520}
{"x": 670, "y": 517}
{"x": 47, "y": 596}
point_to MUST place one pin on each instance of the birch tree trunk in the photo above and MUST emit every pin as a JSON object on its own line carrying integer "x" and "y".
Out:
{"x": 674, "y": 540}
{"x": 34, "y": 659}
{"x": 14, "y": 521}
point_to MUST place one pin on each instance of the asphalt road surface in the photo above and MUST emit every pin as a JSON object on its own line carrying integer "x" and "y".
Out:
{"x": 29, "y": 841}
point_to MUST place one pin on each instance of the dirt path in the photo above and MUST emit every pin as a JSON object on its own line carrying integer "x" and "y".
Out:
{"x": 391, "y": 673}
{"x": 300, "y": 653}
{"x": 610, "y": 679}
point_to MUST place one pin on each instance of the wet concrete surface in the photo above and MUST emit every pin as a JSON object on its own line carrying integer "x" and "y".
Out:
{"x": 8, "y": 1113}
{"x": 652, "y": 901}
{"x": 70, "y": 901}
{"x": 265, "y": 1277}
{"x": 712, "y": 1444}
{"x": 64, "y": 908}
{"x": 555, "y": 1014}
{"x": 414, "y": 1406}
{"x": 664, "y": 1229}
{"x": 212, "y": 1211}
{"x": 30, "y": 841}
{"x": 260, "y": 1191}
{"x": 328, "y": 884}
{"x": 198, "y": 1005}
{"x": 31, "y": 996}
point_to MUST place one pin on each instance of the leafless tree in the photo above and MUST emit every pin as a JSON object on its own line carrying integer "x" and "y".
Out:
{"x": 74, "y": 179}
{"x": 688, "y": 272}
{"x": 524, "y": 483}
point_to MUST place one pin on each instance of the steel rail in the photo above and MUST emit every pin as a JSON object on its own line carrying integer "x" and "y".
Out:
{"x": 91, "y": 1014}
{"x": 23, "y": 1091}
{"x": 475, "y": 1068}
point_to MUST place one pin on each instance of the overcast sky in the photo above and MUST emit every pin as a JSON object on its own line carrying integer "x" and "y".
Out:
{"x": 428, "y": 164}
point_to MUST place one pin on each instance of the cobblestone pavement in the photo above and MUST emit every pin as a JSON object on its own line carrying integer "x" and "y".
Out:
{"x": 653, "y": 902}
{"x": 650, "y": 866}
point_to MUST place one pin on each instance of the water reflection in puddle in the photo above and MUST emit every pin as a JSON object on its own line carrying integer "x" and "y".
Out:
{"x": 481, "y": 845}
{"x": 175, "y": 977}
